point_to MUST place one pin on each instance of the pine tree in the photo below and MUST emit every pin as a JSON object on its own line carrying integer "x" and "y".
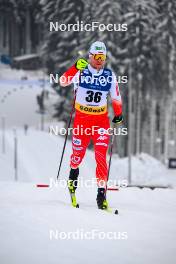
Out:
{"x": 167, "y": 38}
{"x": 60, "y": 47}
{"x": 139, "y": 47}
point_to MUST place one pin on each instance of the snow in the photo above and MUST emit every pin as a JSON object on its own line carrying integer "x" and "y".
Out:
{"x": 146, "y": 170}
{"x": 29, "y": 215}
{"x": 39, "y": 154}
{"x": 18, "y": 92}
{"x": 25, "y": 57}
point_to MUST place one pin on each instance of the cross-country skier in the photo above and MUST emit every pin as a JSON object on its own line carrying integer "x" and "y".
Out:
{"x": 92, "y": 84}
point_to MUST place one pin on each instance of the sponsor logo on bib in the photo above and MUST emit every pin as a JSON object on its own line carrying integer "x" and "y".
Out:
{"x": 77, "y": 141}
{"x": 94, "y": 110}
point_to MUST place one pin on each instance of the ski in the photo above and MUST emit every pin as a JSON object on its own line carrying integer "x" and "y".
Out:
{"x": 109, "y": 210}
{"x": 74, "y": 203}
{"x": 73, "y": 200}
{"x": 72, "y": 194}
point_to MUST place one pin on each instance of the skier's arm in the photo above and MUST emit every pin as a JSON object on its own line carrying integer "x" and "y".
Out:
{"x": 66, "y": 78}
{"x": 116, "y": 100}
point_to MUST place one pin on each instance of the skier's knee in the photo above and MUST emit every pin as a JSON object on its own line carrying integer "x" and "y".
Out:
{"x": 75, "y": 161}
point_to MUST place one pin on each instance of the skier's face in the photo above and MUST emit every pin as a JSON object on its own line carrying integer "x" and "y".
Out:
{"x": 96, "y": 63}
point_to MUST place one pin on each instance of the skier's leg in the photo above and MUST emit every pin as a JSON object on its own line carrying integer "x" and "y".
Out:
{"x": 101, "y": 146}
{"x": 79, "y": 145}
{"x": 101, "y": 199}
{"x": 72, "y": 185}
{"x": 101, "y": 167}
{"x": 80, "y": 141}
{"x": 76, "y": 158}
{"x": 101, "y": 171}
{"x": 73, "y": 178}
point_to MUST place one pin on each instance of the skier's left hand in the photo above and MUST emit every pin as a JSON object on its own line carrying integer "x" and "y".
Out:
{"x": 117, "y": 119}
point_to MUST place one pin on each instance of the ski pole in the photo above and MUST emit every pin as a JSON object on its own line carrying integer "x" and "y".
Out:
{"x": 111, "y": 150}
{"x": 110, "y": 159}
{"x": 65, "y": 141}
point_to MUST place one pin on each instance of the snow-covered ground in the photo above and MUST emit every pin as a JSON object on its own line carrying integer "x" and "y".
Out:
{"x": 18, "y": 92}
{"x": 29, "y": 216}
{"x": 38, "y": 156}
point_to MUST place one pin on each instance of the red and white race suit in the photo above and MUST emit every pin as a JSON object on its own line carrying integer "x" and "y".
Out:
{"x": 91, "y": 117}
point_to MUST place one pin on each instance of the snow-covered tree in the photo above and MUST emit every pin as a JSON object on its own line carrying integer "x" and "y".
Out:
{"x": 148, "y": 46}
{"x": 60, "y": 47}
{"x": 141, "y": 50}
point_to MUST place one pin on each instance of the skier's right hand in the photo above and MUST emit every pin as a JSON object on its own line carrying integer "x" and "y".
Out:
{"x": 81, "y": 64}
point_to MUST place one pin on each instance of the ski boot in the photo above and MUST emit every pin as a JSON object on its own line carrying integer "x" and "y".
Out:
{"x": 72, "y": 185}
{"x": 101, "y": 199}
